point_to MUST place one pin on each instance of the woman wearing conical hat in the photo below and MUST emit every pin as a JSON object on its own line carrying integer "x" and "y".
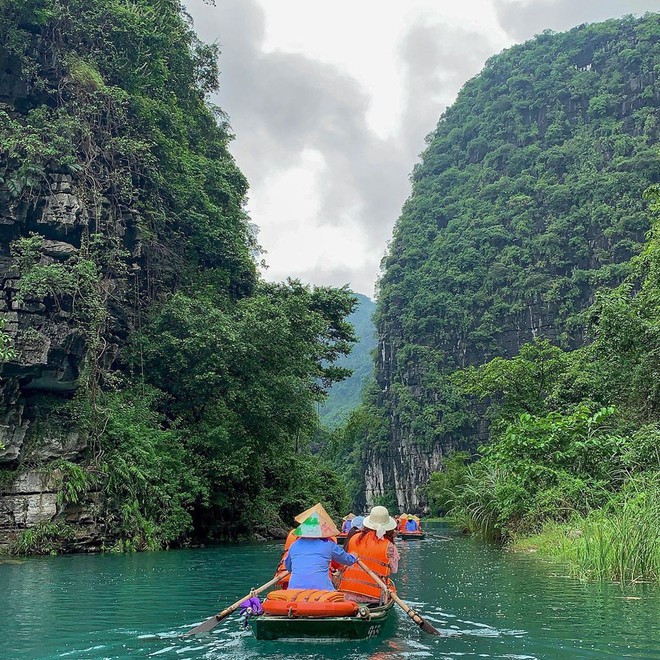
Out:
{"x": 291, "y": 537}
{"x": 310, "y": 556}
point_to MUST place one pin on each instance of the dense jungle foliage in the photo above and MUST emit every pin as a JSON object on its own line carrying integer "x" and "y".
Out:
{"x": 575, "y": 437}
{"x": 527, "y": 200}
{"x": 199, "y": 424}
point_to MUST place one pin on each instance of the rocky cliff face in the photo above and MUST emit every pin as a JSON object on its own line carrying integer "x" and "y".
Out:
{"x": 51, "y": 347}
{"x": 528, "y": 198}
{"x": 50, "y": 341}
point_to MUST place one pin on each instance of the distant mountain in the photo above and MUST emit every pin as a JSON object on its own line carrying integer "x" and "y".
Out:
{"x": 345, "y": 396}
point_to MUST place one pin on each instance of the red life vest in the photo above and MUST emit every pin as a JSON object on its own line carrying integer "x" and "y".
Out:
{"x": 373, "y": 552}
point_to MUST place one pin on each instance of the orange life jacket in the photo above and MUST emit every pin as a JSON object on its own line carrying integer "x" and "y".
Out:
{"x": 373, "y": 552}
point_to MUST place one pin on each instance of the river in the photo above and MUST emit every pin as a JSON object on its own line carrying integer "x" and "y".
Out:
{"x": 487, "y": 603}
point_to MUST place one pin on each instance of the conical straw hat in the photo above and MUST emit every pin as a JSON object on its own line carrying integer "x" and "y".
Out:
{"x": 318, "y": 525}
{"x": 308, "y": 512}
{"x": 350, "y": 516}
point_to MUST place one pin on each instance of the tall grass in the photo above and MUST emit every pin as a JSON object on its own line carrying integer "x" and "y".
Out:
{"x": 620, "y": 542}
{"x": 474, "y": 504}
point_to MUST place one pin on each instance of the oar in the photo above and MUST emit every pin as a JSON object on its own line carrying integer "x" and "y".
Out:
{"x": 424, "y": 625}
{"x": 211, "y": 623}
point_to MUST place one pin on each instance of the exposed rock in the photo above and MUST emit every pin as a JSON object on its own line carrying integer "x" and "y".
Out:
{"x": 66, "y": 446}
{"x": 270, "y": 532}
{"x": 22, "y": 511}
{"x": 33, "y": 481}
{"x": 59, "y": 249}
{"x": 64, "y": 211}
{"x": 50, "y": 345}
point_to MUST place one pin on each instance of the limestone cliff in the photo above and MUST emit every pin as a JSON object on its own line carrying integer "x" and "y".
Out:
{"x": 116, "y": 188}
{"x": 528, "y": 197}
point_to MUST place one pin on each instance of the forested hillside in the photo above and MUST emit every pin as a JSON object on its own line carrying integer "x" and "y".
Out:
{"x": 154, "y": 390}
{"x": 527, "y": 200}
{"x": 572, "y": 466}
{"x": 345, "y": 396}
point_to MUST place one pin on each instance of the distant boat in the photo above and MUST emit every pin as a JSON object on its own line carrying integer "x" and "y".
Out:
{"x": 411, "y": 536}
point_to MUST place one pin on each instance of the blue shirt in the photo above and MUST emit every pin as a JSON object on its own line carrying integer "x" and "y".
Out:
{"x": 346, "y": 526}
{"x": 309, "y": 560}
{"x": 411, "y": 526}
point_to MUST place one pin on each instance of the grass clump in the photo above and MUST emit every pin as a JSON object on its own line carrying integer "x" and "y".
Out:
{"x": 620, "y": 542}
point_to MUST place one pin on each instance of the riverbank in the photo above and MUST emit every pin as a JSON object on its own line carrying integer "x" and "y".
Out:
{"x": 619, "y": 542}
{"x": 600, "y": 547}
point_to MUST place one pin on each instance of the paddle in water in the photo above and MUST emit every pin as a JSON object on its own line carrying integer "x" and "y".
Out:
{"x": 422, "y": 623}
{"x": 212, "y": 622}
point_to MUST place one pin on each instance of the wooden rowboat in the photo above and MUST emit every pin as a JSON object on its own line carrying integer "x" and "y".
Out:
{"x": 411, "y": 536}
{"x": 367, "y": 623}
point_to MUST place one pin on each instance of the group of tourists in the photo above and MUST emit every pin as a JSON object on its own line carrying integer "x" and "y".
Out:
{"x": 408, "y": 523}
{"x": 314, "y": 560}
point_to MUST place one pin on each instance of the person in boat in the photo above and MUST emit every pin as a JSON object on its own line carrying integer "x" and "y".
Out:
{"x": 348, "y": 521}
{"x": 310, "y": 557}
{"x": 291, "y": 537}
{"x": 374, "y": 544}
{"x": 411, "y": 525}
{"x": 357, "y": 525}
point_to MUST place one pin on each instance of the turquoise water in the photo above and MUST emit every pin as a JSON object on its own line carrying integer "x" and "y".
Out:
{"x": 486, "y": 602}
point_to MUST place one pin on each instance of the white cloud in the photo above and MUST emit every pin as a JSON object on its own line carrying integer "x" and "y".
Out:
{"x": 331, "y": 101}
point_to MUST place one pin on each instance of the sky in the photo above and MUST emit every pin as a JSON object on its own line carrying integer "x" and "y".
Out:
{"x": 330, "y": 104}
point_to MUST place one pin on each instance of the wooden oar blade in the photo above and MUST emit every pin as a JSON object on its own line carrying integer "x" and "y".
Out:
{"x": 208, "y": 625}
{"x": 428, "y": 628}
{"x": 211, "y": 623}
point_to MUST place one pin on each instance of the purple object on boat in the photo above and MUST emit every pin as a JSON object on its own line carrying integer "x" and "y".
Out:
{"x": 254, "y": 603}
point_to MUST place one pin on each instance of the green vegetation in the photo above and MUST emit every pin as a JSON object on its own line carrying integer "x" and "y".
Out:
{"x": 199, "y": 385}
{"x": 528, "y": 198}
{"x": 45, "y": 538}
{"x": 574, "y": 450}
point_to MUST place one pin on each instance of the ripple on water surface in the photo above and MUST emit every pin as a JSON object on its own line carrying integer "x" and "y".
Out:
{"x": 485, "y": 602}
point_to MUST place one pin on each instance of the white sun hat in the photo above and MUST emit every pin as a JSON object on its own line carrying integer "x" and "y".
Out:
{"x": 379, "y": 519}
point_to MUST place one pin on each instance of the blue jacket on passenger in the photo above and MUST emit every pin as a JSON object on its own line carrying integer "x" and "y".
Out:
{"x": 411, "y": 525}
{"x": 309, "y": 560}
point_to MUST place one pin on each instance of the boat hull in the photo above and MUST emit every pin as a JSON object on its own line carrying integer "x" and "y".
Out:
{"x": 272, "y": 627}
{"x": 411, "y": 536}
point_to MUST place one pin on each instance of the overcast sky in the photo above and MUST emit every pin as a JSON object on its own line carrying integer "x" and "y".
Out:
{"x": 330, "y": 102}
